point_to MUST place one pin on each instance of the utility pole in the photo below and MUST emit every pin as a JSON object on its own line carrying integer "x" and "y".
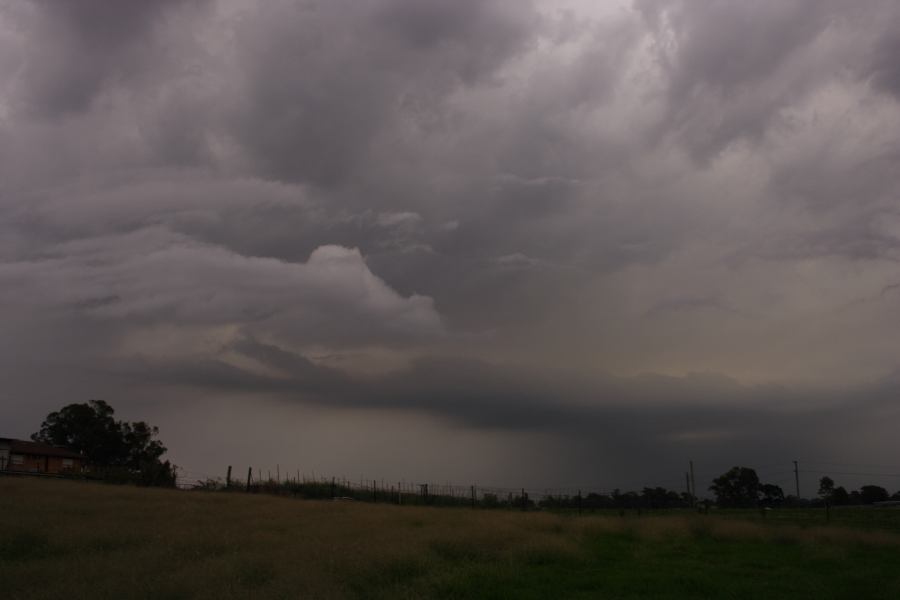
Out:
{"x": 687, "y": 485}
{"x": 797, "y": 478}
{"x": 693, "y": 483}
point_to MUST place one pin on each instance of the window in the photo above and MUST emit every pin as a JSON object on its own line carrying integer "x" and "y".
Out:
{"x": 68, "y": 463}
{"x": 17, "y": 459}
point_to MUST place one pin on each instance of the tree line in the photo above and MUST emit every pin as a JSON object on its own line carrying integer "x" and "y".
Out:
{"x": 740, "y": 487}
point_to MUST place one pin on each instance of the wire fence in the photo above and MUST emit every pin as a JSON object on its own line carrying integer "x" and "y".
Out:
{"x": 659, "y": 495}
{"x": 432, "y": 493}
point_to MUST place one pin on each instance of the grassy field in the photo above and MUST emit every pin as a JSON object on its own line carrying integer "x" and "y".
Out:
{"x": 61, "y": 539}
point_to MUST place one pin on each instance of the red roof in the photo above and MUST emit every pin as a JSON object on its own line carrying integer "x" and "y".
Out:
{"x": 39, "y": 449}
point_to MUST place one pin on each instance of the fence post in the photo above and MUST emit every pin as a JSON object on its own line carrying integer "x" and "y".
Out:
{"x": 332, "y": 488}
{"x": 228, "y": 478}
{"x": 249, "y": 475}
{"x": 375, "y": 491}
{"x": 524, "y": 501}
{"x": 473, "y": 496}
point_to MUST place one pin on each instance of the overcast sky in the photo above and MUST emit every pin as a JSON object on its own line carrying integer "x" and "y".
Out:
{"x": 542, "y": 243}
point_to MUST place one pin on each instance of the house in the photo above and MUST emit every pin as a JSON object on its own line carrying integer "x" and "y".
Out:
{"x": 21, "y": 456}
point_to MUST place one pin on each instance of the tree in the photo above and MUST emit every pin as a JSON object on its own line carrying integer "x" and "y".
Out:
{"x": 826, "y": 488}
{"x": 130, "y": 448}
{"x": 772, "y": 495}
{"x": 739, "y": 487}
{"x": 840, "y": 497}
{"x": 873, "y": 493}
{"x": 88, "y": 429}
{"x": 660, "y": 497}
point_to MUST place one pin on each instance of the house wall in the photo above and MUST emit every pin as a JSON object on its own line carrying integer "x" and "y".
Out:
{"x": 32, "y": 463}
{"x": 4, "y": 455}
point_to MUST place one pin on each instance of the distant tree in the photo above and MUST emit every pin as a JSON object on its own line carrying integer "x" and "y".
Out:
{"x": 90, "y": 429}
{"x": 626, "y": 500}
{"x": 873, "y": 493}
{"x": 772, "y": 495}
{"x": 490, "y": 500}
{"x": 826, "y": 488}
{"x": 594, "y": 500}
{"x": 660, "y": 497}
{"x": 840, "y": 497}
{"x": 739, "y": 487}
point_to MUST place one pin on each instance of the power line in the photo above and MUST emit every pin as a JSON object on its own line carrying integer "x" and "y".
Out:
{"x": 894, "y": 467}
{"x": 851, "y": 473}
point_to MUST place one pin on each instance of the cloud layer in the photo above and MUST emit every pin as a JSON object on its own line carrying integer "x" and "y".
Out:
{"x": 511, "y": 217}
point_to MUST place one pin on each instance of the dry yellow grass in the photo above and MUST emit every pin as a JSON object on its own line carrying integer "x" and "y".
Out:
{"x": 63, "y": 539}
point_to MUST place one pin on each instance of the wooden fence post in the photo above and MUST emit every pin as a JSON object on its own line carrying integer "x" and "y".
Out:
{"x": 249, "y": 475}
{"x": 228, "y": 478}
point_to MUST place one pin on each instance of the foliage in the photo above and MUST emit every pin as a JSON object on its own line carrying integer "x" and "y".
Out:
{"x": 739, "y": 487}
{"x": 118, "y": 449}
{"x": 772, "y": 495}
{"x": 869, "y": 494}
{"x": 826, "y": 488}
{"x": 840, "y": 497}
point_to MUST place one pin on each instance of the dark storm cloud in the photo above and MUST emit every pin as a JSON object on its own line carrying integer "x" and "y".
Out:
{"x": 80, "y": 47}
{"x": 323, "y": 78}
{"x": 885, "y": 72}
{"x": 383, "y": 205}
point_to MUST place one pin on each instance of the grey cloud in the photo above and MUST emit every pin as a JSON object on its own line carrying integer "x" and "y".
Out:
{"x": 77, "y": 48}
{"x": 153, "y": 276}
{"x": 351, "y": 70}
{"x": 885, "y": 73}
{"x": 665, "y": 189}
{"x": 730, "y": 66}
